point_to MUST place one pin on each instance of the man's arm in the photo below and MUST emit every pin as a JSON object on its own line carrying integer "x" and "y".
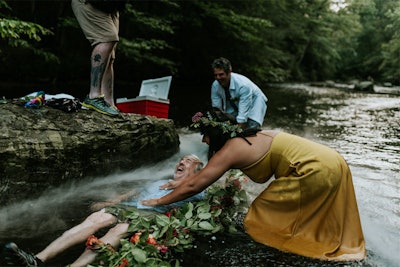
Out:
{"x": 216, "y": 98}
{"x": 245, "y": 103}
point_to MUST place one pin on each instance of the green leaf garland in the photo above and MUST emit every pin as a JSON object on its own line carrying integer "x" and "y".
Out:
{"x": 156, "y": 240}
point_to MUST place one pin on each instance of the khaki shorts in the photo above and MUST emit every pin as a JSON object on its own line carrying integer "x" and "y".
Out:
{"x": 98, "y": 27}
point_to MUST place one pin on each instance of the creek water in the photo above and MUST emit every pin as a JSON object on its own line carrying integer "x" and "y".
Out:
{"x": 363, "y": 127}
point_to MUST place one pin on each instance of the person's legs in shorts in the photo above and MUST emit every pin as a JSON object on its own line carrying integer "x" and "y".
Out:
{"x": 112, "y": 237}
{"x": 101, "y": 30}
{"x": 77, "y": 234}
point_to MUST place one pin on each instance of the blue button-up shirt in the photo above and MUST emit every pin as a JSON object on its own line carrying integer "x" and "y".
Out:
{"x": 152, "y": 190}
{"x": 246, "y": 95}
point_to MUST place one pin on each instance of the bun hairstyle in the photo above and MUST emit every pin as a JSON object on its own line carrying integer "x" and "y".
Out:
{"x": 219, "y": 127}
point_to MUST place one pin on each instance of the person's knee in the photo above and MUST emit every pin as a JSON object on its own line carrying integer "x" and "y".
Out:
{"x": 105, "y": 48}
{"x": 101, "y": 217}
{"x": 115, "y": 234}
{"x": 120, "y": 229}
{"x": 92, "y": 223}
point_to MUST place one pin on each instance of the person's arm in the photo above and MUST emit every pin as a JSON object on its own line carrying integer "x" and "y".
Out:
{"x": 216, "y": 98}
{"x": 171, "y": 184}
{"x": 245, "y": 104}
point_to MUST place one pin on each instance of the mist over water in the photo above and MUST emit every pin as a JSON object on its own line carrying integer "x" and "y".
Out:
{"x": 47, "y": 213}
{"x": 363, "y": 127}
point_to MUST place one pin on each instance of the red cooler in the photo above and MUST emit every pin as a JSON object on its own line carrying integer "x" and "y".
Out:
{"x": 152, "y": 100}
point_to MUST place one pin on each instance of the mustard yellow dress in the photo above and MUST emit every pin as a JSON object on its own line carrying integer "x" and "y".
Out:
{"x": 310, "y": 208}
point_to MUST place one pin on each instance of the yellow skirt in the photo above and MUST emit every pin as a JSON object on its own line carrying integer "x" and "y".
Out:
{"x": 313, "y": 215}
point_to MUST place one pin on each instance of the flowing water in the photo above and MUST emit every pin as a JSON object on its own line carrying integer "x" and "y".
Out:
{"x": 363, "y": 127}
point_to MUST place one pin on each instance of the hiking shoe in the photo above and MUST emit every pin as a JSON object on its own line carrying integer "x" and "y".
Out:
{"x": 14, "y": 256}
{"x": 100, "y": 105}
{"x": 115, "y": 108}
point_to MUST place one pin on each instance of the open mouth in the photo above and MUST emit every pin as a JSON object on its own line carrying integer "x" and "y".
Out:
{"x": 180, "y": 169}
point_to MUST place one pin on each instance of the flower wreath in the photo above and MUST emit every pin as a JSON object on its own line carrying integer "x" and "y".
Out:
{"x": 209, "y": 121}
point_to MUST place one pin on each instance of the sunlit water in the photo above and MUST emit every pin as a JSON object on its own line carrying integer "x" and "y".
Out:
{"x": 363, "y": 127}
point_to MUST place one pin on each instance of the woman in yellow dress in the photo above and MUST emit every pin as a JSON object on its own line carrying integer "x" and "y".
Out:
{"x": 308, "y": 209}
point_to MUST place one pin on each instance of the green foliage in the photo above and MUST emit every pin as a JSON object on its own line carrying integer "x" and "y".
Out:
{"x": 274, "y": 40}
{"x": 376, "y": 44}
{"x": 154, "y": 23}
{"x": 157, "y": 240}
{"x": 14, "y": 30}
{"x": 18, "y": 33}
{"x": 208, "y": 121}
{"x": 24, "y": 35}
{"x": 149, "y": 41}
{"x": 144, "y": 50}
{"x": 390, "y": 66}
{"x": 236, "y": 30}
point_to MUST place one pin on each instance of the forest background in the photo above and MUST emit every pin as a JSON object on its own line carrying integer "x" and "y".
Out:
{"x": 43, "y": 48}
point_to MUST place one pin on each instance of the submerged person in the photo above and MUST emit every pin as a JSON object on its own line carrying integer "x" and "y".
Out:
{"x": 106, "y": 217}
{"x": 310, "y": 207}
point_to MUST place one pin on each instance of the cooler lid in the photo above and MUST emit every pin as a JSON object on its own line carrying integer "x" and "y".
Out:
{"x": 158, "y": 88}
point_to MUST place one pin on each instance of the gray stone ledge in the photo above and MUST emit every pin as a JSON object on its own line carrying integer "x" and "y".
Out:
{"x": 46, "y": 147}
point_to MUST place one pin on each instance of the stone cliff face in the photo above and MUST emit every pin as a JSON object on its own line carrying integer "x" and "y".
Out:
{"x": 46, "y": 147}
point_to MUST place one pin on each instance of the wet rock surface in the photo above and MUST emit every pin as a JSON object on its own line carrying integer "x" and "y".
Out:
{"x": 45, "y": 147}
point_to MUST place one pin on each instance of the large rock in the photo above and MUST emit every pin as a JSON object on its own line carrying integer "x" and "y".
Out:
{"x": 365, "y": 86}
{"x": 46, "y": 147}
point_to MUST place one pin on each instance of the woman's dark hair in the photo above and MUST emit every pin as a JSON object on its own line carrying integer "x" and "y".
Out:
{"x": 217, "y": 136}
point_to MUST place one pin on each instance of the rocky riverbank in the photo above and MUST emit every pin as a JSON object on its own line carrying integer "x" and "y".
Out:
{"x": 354, "y": 86}
{"x": 45, "y": 147}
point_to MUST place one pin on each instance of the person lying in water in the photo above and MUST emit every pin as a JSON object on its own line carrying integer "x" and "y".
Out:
{"x": 309, "y": 208}
{"x": 12, "y": 255}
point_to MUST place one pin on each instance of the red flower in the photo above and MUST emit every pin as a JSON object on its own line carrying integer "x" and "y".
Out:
{"x": 237, "y": 184}
{"x": 135, "y": 238}
{"x": 168, "y": 214}
{"x": 124, "y": 263}
{"x": 93, "y": 243}
{"x": 174, "y": 233}
{"x": 151, "y": 240}
{"x": 197, "y": 117}
{"x": 162, "y": 248}
{"x": 215, "y": 208}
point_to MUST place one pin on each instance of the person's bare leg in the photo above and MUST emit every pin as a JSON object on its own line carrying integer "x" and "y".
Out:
{"x": 77, "y": 234}
{"x": 99, "y": 61}
{"x": 107, "y": 84}
{"x": 112, "y": 237}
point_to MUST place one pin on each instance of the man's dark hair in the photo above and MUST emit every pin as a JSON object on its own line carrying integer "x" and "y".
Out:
{"x": 222, "y": 63}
